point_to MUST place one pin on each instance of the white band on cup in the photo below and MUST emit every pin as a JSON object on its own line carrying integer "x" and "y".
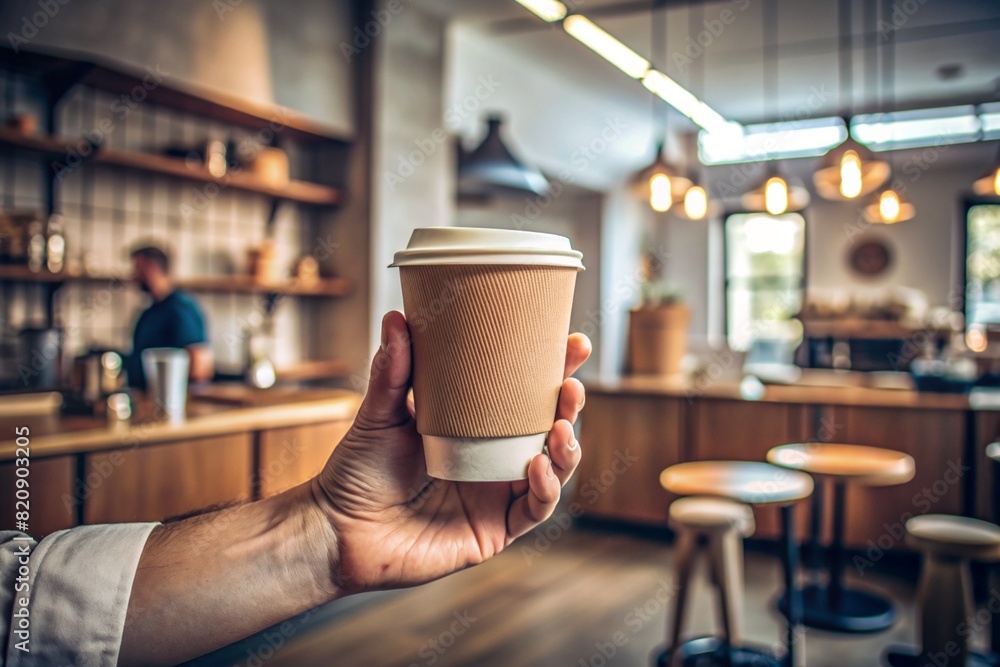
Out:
{"x": 481, "y": 459}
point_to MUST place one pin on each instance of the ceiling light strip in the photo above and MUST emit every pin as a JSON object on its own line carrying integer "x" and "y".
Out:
{"x": 631, "y": 63}
{"x": 605, "y": 45}
{"x": 547, "y": 10}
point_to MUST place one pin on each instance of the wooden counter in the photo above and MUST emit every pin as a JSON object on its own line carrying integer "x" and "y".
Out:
{"x": 237, "y": 444}
{"x": 800, "y": 394}
{"x": 653, "y": 423}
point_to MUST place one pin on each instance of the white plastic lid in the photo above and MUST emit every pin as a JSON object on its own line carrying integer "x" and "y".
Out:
{"x": 466, "y": 245}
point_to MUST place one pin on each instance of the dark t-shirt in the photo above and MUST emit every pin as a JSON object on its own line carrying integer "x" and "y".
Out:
{"x": 174, "y": 322}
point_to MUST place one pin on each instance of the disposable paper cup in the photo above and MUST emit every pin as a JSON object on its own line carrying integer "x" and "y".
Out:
{"x": 489, "y": 313}
{"x": 166, "y": 370}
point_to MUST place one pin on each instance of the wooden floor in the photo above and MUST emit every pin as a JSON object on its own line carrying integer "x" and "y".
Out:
{"x": 560, "y": 603}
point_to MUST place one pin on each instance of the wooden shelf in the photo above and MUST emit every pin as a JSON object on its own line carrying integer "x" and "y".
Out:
{"x": 61, "y": 68}
{"x": 58, "y": 149}
{"x": 325, "y": 287}
{"x": 245, "y": 284}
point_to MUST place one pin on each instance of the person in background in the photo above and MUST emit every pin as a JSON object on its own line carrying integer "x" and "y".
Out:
{"x": 173, "y": 320}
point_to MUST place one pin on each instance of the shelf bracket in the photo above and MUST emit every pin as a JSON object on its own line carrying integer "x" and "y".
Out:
{"x": 57, "y": 86}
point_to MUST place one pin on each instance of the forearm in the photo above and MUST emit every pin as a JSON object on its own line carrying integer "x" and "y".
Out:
{"x": 210, "y": 580}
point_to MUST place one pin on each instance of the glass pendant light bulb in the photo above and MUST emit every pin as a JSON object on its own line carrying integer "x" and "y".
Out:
{"x": 888, "y": 206}
{"x": 850, "y": 175}
{"x": 660, "y": 193}
{"x": 776, "y": 195}
{"x": 695, "y": 203}
{"x": 996, "y": 182}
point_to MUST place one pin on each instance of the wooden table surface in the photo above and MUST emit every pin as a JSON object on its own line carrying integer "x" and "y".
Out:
{"x": 212, "y": 410}
{"x": 774, "y": 393}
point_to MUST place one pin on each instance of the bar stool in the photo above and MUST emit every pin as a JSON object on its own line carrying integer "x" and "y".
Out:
{"x": 993, "y": 452}
{"x": 834, "y": 606}
{"x": 944, "y": 600}
{"x": 747, "y": 483}
{"x": 717, "y": 526}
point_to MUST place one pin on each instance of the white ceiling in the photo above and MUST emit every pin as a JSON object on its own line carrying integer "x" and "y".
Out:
{"x": 558, "y": 94}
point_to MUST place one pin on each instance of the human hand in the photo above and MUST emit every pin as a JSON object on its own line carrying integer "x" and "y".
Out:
{"x": 397, "y": 526}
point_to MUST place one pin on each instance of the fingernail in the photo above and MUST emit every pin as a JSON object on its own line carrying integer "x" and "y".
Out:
{"x": 573, "y": 443}
{"x": 385, "y": 334}
{"x": 549, "y": 472}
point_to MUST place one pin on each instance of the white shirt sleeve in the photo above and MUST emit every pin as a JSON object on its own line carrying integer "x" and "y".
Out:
{"x": 63, "y": 600}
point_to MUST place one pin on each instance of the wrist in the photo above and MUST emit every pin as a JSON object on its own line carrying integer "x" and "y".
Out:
{"x": 323, "y": 536}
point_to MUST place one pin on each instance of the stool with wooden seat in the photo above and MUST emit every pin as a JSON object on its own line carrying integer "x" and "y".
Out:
{"x": 944, "y": 601}
{"x": 993, "y": 452}
{"x": 717, "y": 525}
{"x": 834, "y": 606}
{"x": 718, "y": 522}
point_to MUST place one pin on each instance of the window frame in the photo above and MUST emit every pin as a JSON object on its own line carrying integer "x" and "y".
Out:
{"x": 729, "y": 213}
{"x": 965, "y": 204}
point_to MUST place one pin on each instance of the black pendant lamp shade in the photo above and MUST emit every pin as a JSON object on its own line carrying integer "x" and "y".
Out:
{"x": 491, "y": 169}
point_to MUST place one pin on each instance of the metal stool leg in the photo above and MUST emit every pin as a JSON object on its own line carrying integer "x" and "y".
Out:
{"x": 795, "y": 638}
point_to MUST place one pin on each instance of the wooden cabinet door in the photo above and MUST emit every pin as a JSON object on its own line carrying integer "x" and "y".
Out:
{"x": 987, "y": 431}
{"x": 50, "y": 484}
{"x": 290, "y": 456}
{"x": 162, "y": 481}
{"x": 627, "y": 441}
{"x": 744, "y": 431}
{"x": 935, "y": 439}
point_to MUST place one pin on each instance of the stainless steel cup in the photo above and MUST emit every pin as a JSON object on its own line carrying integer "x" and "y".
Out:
{"x": 166, "y": 371}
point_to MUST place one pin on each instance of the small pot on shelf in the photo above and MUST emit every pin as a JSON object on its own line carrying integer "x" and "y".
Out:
{"x": 657, "y": 337}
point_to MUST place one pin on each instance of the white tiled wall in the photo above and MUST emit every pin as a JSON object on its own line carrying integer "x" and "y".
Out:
{"x": 108, "y": 211}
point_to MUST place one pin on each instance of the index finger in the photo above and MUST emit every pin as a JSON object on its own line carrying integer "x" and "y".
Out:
{"x": 577, "y": 351}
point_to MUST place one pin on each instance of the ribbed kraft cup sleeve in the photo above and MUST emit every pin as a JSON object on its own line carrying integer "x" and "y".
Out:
{"x": 489, "y": 346}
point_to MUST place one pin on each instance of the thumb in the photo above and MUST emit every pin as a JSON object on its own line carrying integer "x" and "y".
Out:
{"x": 385, "y": 403}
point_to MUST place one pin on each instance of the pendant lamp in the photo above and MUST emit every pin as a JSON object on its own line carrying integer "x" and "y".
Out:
{"x": 776, "y": 193}
{"x": 849, "y": 170}
{"x": 661, "y": 183}
{"x": 696, "y": 202}
{"x": 491, "y": 169}
{"x": 988, "y": 185}
{"x": 889, "y": 206}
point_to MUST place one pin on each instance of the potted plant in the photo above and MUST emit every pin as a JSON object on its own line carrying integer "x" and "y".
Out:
{"x": 657, "y": 332}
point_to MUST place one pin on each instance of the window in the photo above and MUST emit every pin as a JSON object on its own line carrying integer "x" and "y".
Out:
{"x": 982, "y": 265}
{"x": 765, "y": 277}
